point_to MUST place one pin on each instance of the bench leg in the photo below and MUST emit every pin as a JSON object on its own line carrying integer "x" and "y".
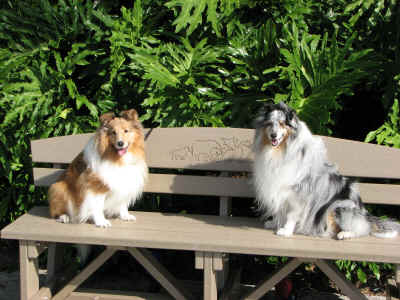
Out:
{"x": 29, "y": 270}
{"x": 210, "y": 278}
{"x": 225, "y": 209}
{"x": 336, "y": 276}
{"x": 397, "y": 278}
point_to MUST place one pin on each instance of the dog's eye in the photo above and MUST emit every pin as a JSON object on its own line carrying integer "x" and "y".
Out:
{"x": 113, "y": 132}
{"x": 126, "y": 130}
{"x": 268, "y": 124}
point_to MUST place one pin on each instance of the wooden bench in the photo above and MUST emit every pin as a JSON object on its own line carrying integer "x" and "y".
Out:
{"x": 221, "y": 153}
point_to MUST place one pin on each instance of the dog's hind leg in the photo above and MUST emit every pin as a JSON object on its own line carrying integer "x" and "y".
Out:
{"x": 342, "y": 235}
{"x": 352, "y": 223}
{"x": 288, "y": 229}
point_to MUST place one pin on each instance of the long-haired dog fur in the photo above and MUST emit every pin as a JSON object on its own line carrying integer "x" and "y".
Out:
{"x": 299, "y": 189}
{"x": 106, "y": 177}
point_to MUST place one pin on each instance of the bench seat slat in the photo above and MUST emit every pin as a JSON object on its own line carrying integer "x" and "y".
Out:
{"x": 224, "y": 149}
{"x": 224, "y": 186}
{"x": 200, "y": 233}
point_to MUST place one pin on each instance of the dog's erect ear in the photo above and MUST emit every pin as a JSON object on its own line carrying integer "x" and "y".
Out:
{"x": 290, "y": 113}
{"x": 130, "y": 115}
{"x": 292, "y": 117}
{"x": 262, "y": 114}
{"x": 107, "y": 117}
{"x": 267, "y": 108}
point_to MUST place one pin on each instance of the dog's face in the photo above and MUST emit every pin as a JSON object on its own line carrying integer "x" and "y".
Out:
{"x": 276, "y": 122}
{"x": 121, "y": 131}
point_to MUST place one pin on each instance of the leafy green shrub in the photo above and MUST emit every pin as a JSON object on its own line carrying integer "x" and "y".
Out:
{"x": 389, "y": 133}
{"x": 49, "y": 85}
{"x": 361, "y": 271}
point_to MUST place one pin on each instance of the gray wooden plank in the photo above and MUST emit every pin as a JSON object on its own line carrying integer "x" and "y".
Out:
{"x": 200, "y": 233}
{"x": 171, "y": 183}
{"x": 194, "y": 148}
{"x": 225, "y": 149}
{"x": 363, "y": 159}
{"x": 224, "y": 186}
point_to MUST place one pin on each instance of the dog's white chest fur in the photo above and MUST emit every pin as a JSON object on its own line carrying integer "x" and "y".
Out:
{"x": 124, "y": 180}
{"x": 127, "y": 179}
{"x": 272, "y": 178}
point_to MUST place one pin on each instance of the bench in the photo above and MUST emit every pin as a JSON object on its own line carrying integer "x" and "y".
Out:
{"x": 216, "y": 156}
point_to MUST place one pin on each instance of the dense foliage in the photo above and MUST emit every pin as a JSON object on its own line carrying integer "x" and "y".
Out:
{"x": 191, "y": 63}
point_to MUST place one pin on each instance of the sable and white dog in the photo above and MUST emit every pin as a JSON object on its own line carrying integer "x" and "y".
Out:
{"x": 299, "y": 189}
{"x": 107, "y": 177}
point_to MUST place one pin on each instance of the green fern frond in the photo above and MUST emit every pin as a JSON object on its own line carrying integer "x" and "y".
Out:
{"x": 191, "y": 13}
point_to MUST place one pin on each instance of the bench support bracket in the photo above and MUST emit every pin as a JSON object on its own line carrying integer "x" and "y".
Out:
{"x": 325, "y": 266}
{"x": 276, "y": 277}
{"x": 160, "y": 273}
{"x": 85, "y": 273}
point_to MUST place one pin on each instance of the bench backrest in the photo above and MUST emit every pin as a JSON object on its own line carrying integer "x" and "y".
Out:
{"x": 223, "y": 150}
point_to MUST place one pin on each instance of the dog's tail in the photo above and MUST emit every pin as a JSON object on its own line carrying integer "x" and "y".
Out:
{"x": 384, "y": 228}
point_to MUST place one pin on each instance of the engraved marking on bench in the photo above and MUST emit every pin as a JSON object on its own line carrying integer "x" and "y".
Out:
{"x": 217, "y": 149}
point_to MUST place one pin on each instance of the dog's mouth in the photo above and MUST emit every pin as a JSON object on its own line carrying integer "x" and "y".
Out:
{"x": 275, "y": 142}
{"x": 121, "y": 150}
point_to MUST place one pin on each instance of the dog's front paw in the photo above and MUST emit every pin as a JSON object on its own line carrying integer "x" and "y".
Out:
{"x": 63, "y": 219}
{"x": 104, "y": 223}
{"x": 284, "y": 232}
{"x": 342, "y": 235}
{"x": 127, "y": 217}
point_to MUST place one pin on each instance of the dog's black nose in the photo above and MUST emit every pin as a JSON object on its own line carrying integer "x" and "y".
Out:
{"x": 120, "y": 143}
{"x": 273, "y": 135}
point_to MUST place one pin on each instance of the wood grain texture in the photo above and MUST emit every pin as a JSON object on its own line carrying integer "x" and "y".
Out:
{"x": 200, "y": 233}
{"x": 225, "y": 149}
